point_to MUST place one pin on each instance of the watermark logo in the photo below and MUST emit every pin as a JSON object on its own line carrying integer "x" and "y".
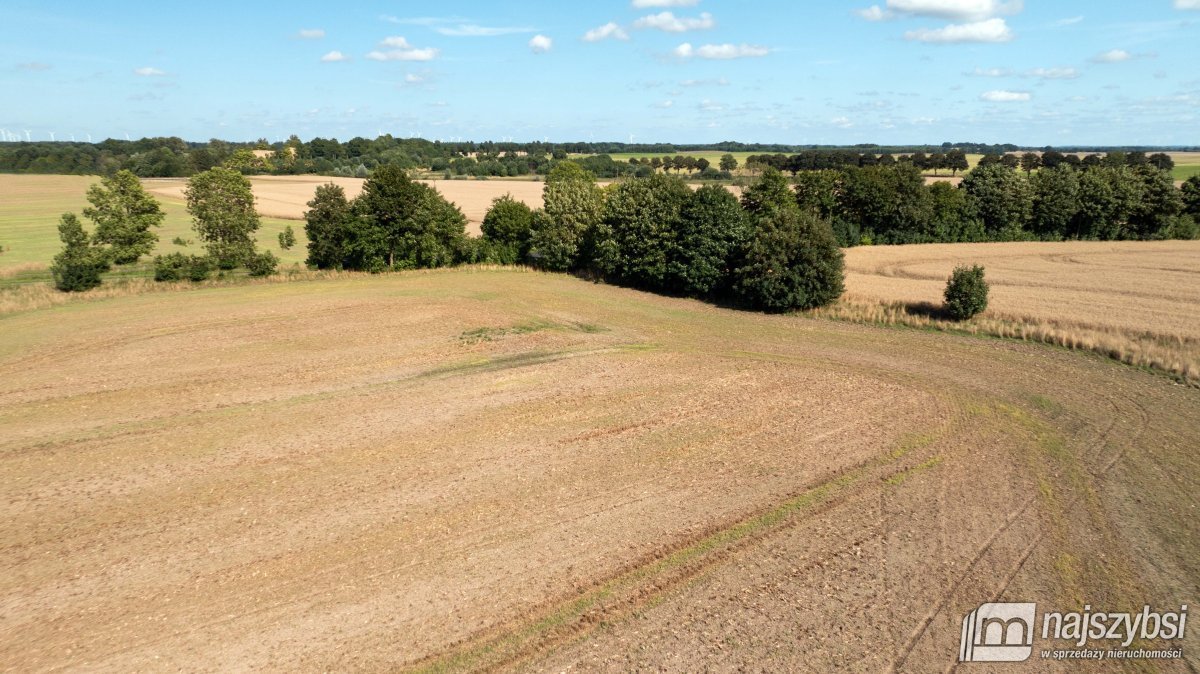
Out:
{"x": 998, "y": 632}
{"x": 1004, "y": 632}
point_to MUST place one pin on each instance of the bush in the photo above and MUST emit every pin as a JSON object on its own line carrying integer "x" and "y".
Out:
{"x": 966, "y": 292}
{"x": 287, "y": 238}
{"x": 262, "y": 264}
{"x": 553, "y": 245}
{"x": 180, "y": 267}
{"x": 507, "y": 228}
{"x": 79, "y": 266}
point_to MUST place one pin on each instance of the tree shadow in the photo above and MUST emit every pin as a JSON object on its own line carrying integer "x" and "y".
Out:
{"x": 928, "y": 310}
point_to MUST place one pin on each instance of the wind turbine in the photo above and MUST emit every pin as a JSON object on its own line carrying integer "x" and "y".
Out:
{"x": 89, "y": 137}
{"x": 51, "y": 136}
{"x": 72, "y": 138}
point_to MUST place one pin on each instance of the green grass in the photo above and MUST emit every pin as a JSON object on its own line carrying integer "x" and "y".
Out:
{"x": 1185, "y": 171}
{"x": 29, "y": 227}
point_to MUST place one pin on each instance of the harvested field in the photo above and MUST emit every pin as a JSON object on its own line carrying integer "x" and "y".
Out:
{"x": 476, "y": 468}
{"x": 1135, "y": 300}
{"x": 287, "y": 196}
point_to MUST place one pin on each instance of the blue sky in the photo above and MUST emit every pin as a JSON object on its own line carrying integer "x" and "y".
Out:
{"x": 883, "y": 71}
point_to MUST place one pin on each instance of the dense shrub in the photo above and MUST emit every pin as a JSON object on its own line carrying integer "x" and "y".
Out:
{"x": 262, "y": 264}
{"x": 180, "y": 267}
{"x": 713, "y": 228}
{"x": 553, "y": 244}
{"x": 641, "y": 219}
{"x": 79, "y": 266}
{"x": 506, "y": 227}
{"x": 966, "y": 292}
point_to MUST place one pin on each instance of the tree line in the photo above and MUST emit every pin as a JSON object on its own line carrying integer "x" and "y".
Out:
{"x": 652, "y": 232}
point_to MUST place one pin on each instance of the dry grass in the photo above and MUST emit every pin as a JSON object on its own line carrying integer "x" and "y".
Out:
{"x": 1136, "y": 302}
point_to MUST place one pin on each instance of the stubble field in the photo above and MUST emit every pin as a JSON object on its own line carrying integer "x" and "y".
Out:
{"x": 475, "y": 469}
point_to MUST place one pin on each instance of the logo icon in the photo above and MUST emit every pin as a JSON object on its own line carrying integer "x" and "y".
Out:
{"x": 997, "y": 632}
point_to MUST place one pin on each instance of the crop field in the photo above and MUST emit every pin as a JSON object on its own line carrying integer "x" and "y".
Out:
{"x": 1138, "y": 298}
{"x": 494, "y": 468}
{"x": 287, "y": 196}
{"x": 32, "y": 204}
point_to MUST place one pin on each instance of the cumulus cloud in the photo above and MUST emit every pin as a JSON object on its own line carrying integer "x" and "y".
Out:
{"x": 670, "y": 23}
{"x": 311, "y": 33}
{"x": 990, "y": 30}
{"x": 874, "y": 13}
{"x": 956, "y": 10}
{"x": 1053, "y": 73}
{"x": 720, "y": 51}
{"x": 149, "y": 72}
{"x": 1070, "y": 21}
{"x": 608, "y": 30}
{"x": 473, "y": 30}
{"x": 1116, "y": 56}
{"x": 1002, "y": 96}
{"x": 841, "y": 122}
{"x": 334, "y": 56}
{"x": 990, "y": 72}
{"x": 395, "y": 42}
{"x": 540, "y": 44}
{"x": 1187, "y": 4}
{"x": 397, "y": 48}
{"x": 643, "y": 4}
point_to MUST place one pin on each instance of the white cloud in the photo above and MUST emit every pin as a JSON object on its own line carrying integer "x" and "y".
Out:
{"x": 956, "y": 10}
{"x": 395, "y": 42}
{"x": 720, "y": 82}
{"x": 149, "y": 72}
{"x": 711, "y": 106}
{"x": 421, "y": 20}
{"x": 664, "y": 104}
{"x": 334, "y": 57}
{"x": 720, "y": 51}
{"x": 608, "y": 30}
{"x": 841, "y": 122}
{"x": 1187, "y": 4}
{"x": 473, "y": 30}
{"x": 1053, "y": 73}
{"x": 413, "y": 79}
{"x": 311, "y": 33}
{"x": 991, "y": 30}
{"x": 1112, "y": 56}
{"x": 672, "y": 24}
{"x": 540, "y": 44}
{"x": 874, "y": 13}
{"x": 1068, "y": 21}
{"x": 643, "y": 4}
{"x": 990, "y": 72}
{"x": 426, "y": 54}
{"x": 1002, "y": 96}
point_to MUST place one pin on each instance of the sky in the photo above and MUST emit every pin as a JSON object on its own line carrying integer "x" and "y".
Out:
{"x": 1034, "y": 73}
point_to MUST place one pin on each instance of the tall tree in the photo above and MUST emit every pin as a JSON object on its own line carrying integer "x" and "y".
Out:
{"x": 1055, "y": 202}
{"x": 326, "y": 223}
{"x": 416, "y": 225}
{"x": 1000, "y": 198}
{"x": 575, "y": 203}
{"x": 123, "y": 213}
{"x": 712, "y": 229}
{"x": 1030, "y": 162}
{"x": 222, "y": 208}
{"x": 641, "y": 217}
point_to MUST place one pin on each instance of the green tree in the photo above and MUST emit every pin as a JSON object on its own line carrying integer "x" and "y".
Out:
{"x": 287, "y": 238}
{"x": 1191, "y": 196}
{"x": 180, "y": 267}
{"x": 641, "y": 217}
{"x": 1000, "y": 198}
{"x": 1055, "y": 202}
{"x": 1030, "y": 162}
{"x": 416, "y": 225}
{"x": 326, "y": 223}
{"x": 1157, "y": 205}
{"x": 712, "y": 230}
{"x": 507, "y": 226}
{"x": 728, "y": 162}
{"x": 966, "y": 292}
{"x": 576, "y": 205}
{"x": 891, "y": 202}
{"x": 553, "y": 244}
{"x": 222, "y": 207}
{"x": 262, "y": 264}
{"x": 79, "y": 266}
{"x": 1107, "y": 197}
{"x": 123, "y": 213}
{"x": 791, "y": 260}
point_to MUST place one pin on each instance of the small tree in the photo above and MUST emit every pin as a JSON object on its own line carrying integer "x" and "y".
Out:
{"x": 728, "y": 162}
{"x": 1030, "y": 162}
{"x": 79, "y": 266}
{"x": 287, "y": 238}
{"x": 507, "y": 227}
{"x": 123, "y": 213}
{"x": 222, "y": 207}
{"x": 966, "y": 292}
{"x": 262, "y": 264}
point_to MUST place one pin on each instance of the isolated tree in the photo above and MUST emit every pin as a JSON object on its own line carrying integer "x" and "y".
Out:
{"x": 123, "y": 213}
{"x": 728, "y": 162}
{"x": 1000, "y": 198}
{"x": 966, "y": 292}
{"x": 641, "y": 217}
{"x": 791, "y": 260}
{"x": 1055, "y": 202}
{"x": 222, "y": 207}
{"x": 507, "y": 226}
{"x": 712, "y": 229}
{"x": 1030, "y": 162}
{"x": 287, "y": 238}
{"x": 326, "y": 223}
{"x": 79, "y": 266}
